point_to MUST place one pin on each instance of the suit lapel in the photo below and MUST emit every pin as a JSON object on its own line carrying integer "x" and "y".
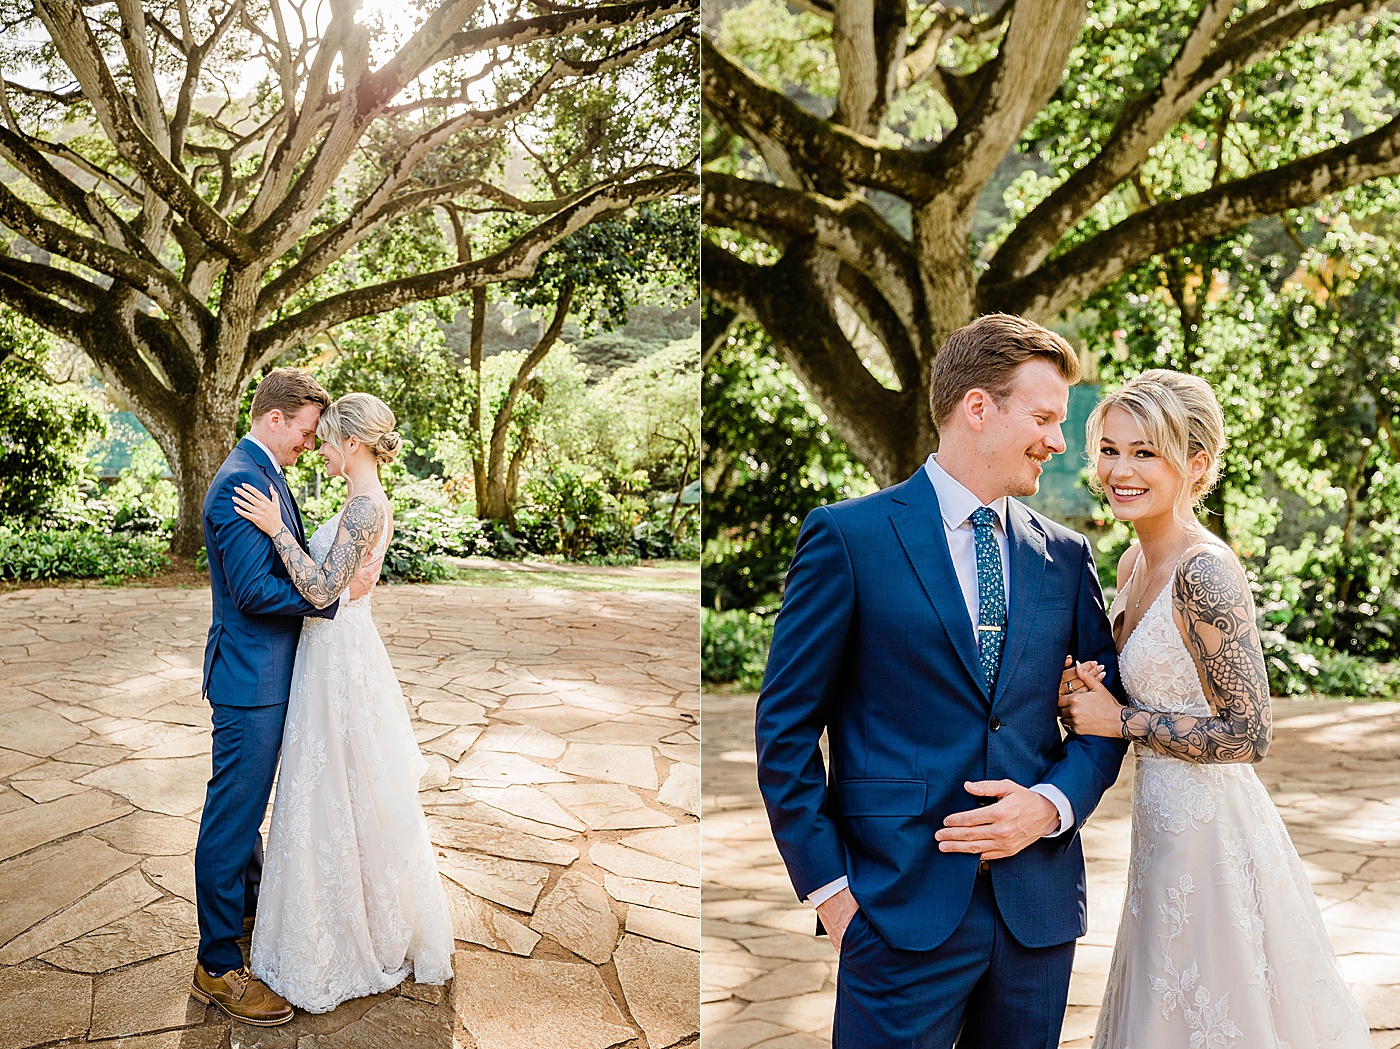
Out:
{"x": 291, "y": 513}
{"x": 919, "y": 525}
{"x": 1026, "y": 551}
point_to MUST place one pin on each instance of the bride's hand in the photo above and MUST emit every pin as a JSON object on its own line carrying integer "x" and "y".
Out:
{"x": 263, "y": 510}
{"x": 1086, "y": 707}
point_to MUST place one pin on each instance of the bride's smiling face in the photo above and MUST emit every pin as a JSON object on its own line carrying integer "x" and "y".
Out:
{"x": 335, "y": 462}
{"x": 1138, "y": 481}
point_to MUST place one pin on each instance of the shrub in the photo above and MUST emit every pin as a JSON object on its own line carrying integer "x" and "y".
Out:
{"x": 43, "y": 433}
{"x": 409, "y": 558}
{"x": 1298, "y": 668}
{"x": 32, "y": 555}
{"x": 734, "y": 646}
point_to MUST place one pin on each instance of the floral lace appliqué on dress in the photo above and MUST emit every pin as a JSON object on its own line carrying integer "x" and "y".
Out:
{"x": 350, "y": 902}
{"x": 1221, "y": 944}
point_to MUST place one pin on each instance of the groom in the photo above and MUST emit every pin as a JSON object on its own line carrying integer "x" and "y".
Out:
{"x": 925, "y": 628}
{"x": 247, "y": 678}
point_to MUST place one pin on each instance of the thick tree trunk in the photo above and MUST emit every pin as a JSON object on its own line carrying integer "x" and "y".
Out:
{"x": 195, "y": 455}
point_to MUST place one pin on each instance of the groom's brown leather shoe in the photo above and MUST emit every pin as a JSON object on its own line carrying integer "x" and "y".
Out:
{"x": 244, "y": 998}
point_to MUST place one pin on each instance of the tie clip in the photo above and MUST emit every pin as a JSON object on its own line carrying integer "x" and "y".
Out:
{"x": 982, "y": 627}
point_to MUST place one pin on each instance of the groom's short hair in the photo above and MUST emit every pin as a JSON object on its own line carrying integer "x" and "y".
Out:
{"x": 288, "y": 390}
{"x": 985, "y": 354}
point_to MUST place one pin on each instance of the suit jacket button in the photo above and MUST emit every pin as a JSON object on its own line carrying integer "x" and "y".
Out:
{"x": 996, "y": 724}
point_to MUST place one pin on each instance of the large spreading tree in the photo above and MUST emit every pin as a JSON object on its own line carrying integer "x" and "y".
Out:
{"x": 881, "y": 172}
{"x": 197, "y": 187}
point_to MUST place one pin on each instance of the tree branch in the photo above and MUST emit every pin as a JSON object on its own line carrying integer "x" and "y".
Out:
{"x": 1029, "y": 67}
{"x": 787, "y": 301}
{"x": 552, "y": 27}
{"x": 864, "y": 297}
{"x": 796, "y": 142}
{"x": 52, "y": 316}
{"x": 152, "y": 280}
{"x": 515, "y": 262}
{"x": 1142, "y": 123}
{"x": 868, "y": 37}
{"x": 850, "y": 227}
{"x": 53, "y": 282}
{"x": 68, "y": 27}
{"x": 326, "y": 247}
{"x": 1082, "y": 270}
{"x": 273, "y": 235}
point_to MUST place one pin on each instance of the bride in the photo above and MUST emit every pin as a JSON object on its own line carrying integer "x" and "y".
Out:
{"x": 1221, "y": 943}
{"x": 351, "y": 902}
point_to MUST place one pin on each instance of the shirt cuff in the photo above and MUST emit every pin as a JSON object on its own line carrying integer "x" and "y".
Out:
{"x": 1056, "y": 797}
{"x": 827, "y": 891}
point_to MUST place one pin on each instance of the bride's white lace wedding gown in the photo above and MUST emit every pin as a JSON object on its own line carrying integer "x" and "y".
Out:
{"x": 1221, "y": 944}
{"x": 350, "y": 902}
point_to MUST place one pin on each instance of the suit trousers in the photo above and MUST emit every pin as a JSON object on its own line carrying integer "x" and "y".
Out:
{"x": 979, "y": 988}
{"x": 228, "y": 858}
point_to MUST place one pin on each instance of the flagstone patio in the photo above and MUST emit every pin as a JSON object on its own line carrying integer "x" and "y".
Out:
{"x": 767, "y": 982}
{"x": 563, "y": 796}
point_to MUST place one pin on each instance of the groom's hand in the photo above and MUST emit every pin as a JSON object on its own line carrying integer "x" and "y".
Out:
{"x": 836, "y": 914}
{"x": 1003, "y": 828}
{"x": 363, "y": 580}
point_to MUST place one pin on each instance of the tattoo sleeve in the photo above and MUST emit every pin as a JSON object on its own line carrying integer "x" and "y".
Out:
{"x": 322, "y": 584}
{"x": 1215, "y": 604}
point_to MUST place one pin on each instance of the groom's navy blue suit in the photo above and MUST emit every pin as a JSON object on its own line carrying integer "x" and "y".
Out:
{"x": 874, "y": 645}
{"x": 248, "y": 663}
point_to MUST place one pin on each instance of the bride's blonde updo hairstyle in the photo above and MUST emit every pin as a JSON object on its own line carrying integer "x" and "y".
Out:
{"x": 365, "y": 418}
{"x": 1178, "y": 413}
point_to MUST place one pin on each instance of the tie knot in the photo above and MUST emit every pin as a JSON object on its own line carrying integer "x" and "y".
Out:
{"x": 982, "y": 517}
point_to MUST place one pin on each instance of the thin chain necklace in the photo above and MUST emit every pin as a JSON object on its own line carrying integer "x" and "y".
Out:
{"x": 1169, "y": 559}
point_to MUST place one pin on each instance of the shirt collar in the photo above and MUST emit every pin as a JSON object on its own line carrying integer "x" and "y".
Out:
{"x": 272, "y": 458}
{"x": 955, "y": 502}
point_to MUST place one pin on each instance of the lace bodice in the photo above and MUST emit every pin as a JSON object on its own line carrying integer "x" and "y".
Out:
{"x": 323, "y": 539}
{"x": 1157, "y": 669}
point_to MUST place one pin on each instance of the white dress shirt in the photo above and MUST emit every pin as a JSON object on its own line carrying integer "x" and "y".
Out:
{"x": 956, "y": 504}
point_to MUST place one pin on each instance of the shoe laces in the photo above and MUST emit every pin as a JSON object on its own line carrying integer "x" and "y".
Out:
{"x": 241, "y": 978}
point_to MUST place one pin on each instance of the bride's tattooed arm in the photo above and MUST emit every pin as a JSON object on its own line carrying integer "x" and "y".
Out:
{"x": 322, "y": 584}
{"x": 1214, "y": 603}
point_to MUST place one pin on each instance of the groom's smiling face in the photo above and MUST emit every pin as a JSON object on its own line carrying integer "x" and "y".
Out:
{"x": 290, "y": 435}
{"x": 1020, "y": 434}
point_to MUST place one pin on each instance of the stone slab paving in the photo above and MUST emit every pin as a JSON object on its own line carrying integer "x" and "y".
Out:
{"x": 768, "y": 983}
{"x": 563, "y": 733}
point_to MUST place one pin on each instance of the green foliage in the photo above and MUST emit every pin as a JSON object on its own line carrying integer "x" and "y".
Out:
{"x": 769, "y": 460}
{"x": 619, "y": 260}
{"x": 734, "y": 647}
{"x": 409, "y": 558}
{"x": 142, "y": 500}
{"x": 44, "y": 429}
{"x": 43, "y": 555}
{"x": 1300, "y": 669}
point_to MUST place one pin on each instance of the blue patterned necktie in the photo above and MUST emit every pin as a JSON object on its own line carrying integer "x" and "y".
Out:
{"x": 991, "y": 594}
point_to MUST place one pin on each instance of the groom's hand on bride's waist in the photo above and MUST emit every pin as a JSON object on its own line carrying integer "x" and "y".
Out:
{"x": 363, "y": 580}
{"x": 1012, "y": 818}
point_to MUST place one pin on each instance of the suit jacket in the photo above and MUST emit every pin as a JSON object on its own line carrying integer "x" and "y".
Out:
{"x": 257, "y": 611}
{"x": 874, "y": 645}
